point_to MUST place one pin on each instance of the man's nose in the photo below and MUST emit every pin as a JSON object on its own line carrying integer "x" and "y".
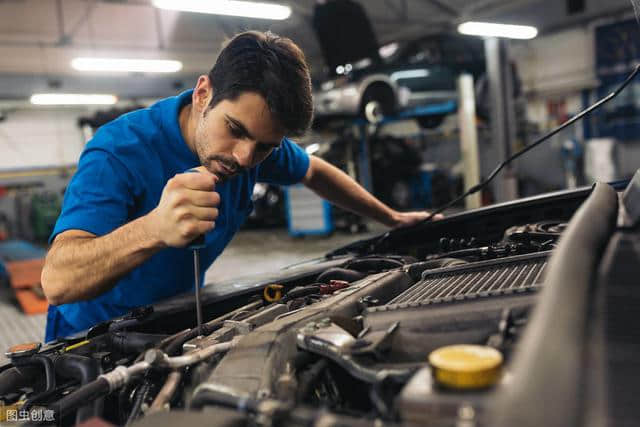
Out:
{"x": 243, "y": 152}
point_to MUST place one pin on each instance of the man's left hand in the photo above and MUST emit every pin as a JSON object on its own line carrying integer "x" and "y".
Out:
{"x": 405, "y": 219}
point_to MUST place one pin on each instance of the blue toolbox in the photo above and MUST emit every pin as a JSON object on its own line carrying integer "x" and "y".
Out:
{"x": 307, "y": 213}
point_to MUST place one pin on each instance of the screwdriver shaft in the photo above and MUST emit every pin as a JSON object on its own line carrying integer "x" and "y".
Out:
{"x": 196, "y": 269}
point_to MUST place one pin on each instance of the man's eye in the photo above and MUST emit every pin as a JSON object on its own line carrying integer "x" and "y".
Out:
{"x": 236, "y": 132}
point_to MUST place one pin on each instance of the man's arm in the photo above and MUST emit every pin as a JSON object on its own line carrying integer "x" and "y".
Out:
{"x": 80, "y": 265}
{"x": 336, "y": 186}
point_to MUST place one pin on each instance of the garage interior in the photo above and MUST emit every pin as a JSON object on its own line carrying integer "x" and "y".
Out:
{"x": 483, "y": 98}
{"x": 559, "y": 72}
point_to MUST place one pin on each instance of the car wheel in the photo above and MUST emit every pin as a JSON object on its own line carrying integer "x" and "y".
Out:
{"x": 378, "y": 101}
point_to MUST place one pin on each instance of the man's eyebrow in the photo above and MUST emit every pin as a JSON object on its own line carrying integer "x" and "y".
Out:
{"x": 243, "y": 129}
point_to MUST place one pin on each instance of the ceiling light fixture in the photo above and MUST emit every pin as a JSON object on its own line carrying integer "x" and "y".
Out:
{"x": 486, "y": 29}
{"x": 247, "y": 9}
{"x": 72, "y": 99}
{"x": 122, "y": 65}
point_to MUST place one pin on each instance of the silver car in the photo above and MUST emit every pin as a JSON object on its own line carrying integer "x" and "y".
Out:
{"x": 418, "y": 73}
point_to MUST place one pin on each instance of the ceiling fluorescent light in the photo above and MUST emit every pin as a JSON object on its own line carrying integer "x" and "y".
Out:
{"x": 247, "y": 9}
{"x": 122, "y": 65}
{"x": 72, "y": 99}
{"x": 486, "y": 29}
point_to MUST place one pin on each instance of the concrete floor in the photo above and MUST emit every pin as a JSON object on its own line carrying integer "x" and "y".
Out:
{"x": 251, "y": 251}
{"x": 259, "y": 251}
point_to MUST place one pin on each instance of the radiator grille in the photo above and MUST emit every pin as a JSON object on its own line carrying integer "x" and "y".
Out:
{"x": 485, "y": 279}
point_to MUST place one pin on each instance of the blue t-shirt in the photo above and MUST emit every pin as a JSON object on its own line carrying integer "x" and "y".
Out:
{"x": 120, "y": 177}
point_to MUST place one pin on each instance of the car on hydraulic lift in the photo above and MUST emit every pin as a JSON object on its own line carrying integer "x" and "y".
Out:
{"x": 409, "y": 74}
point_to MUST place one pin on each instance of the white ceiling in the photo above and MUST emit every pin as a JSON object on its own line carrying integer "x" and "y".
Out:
{"x": 38, "y": 38}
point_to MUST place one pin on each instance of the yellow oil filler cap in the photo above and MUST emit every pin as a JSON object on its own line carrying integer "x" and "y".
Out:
{"x": 466, "y": 367}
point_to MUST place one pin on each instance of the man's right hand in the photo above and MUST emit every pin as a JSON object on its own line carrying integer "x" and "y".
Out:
{"x": 81, "y": 265}
{"x": 188, "y": 208}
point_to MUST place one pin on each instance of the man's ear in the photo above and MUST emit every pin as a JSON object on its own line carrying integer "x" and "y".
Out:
{"x": 202, "y": 94}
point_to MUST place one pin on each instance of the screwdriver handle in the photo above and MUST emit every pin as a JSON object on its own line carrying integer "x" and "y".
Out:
{"x": 198, "y": 242}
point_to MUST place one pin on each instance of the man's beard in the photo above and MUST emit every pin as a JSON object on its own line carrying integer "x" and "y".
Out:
{"x": 225, "y": 168}
{"x": 228, "y": 162}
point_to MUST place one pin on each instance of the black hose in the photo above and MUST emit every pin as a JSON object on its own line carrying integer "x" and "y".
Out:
{"x": 17, "y": 377}
{"x": 358, "y": 269}
{"x": 84, "y": 369}
{"x": 45, "y": 362}
{"x": 337, "y": 273}
{"x": 300, "y": 292}
{"x": 133, "y": 342}
{"x": 35, "y": 398}
{"x": 373, "y": 264}
{"x": 175, "y": 345}
{"x": 49, "y": 370}
{"x": 87, "y": 393}
{"x": 80, "y": 368}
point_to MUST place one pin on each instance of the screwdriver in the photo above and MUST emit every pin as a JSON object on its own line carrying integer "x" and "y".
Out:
{"x": 195, "y": 246}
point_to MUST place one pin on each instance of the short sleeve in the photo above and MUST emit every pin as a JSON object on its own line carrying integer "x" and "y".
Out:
{"x": 98, "y": 198}
{"x": 286, "y": 165}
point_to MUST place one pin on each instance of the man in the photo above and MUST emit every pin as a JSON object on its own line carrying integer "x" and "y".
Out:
{"x": 130, "y": 209}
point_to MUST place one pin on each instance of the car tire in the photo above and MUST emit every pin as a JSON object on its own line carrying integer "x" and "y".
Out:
{"x": 378, "y": 101}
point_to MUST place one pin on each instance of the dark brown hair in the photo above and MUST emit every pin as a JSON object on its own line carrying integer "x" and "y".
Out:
{"x": 274, "y": 67}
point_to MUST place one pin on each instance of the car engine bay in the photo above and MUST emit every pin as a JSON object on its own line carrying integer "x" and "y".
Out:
{"x": 535, "y": 336}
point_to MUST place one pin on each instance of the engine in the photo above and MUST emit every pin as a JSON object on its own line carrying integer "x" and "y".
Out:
{"x": 422, "y": 329}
